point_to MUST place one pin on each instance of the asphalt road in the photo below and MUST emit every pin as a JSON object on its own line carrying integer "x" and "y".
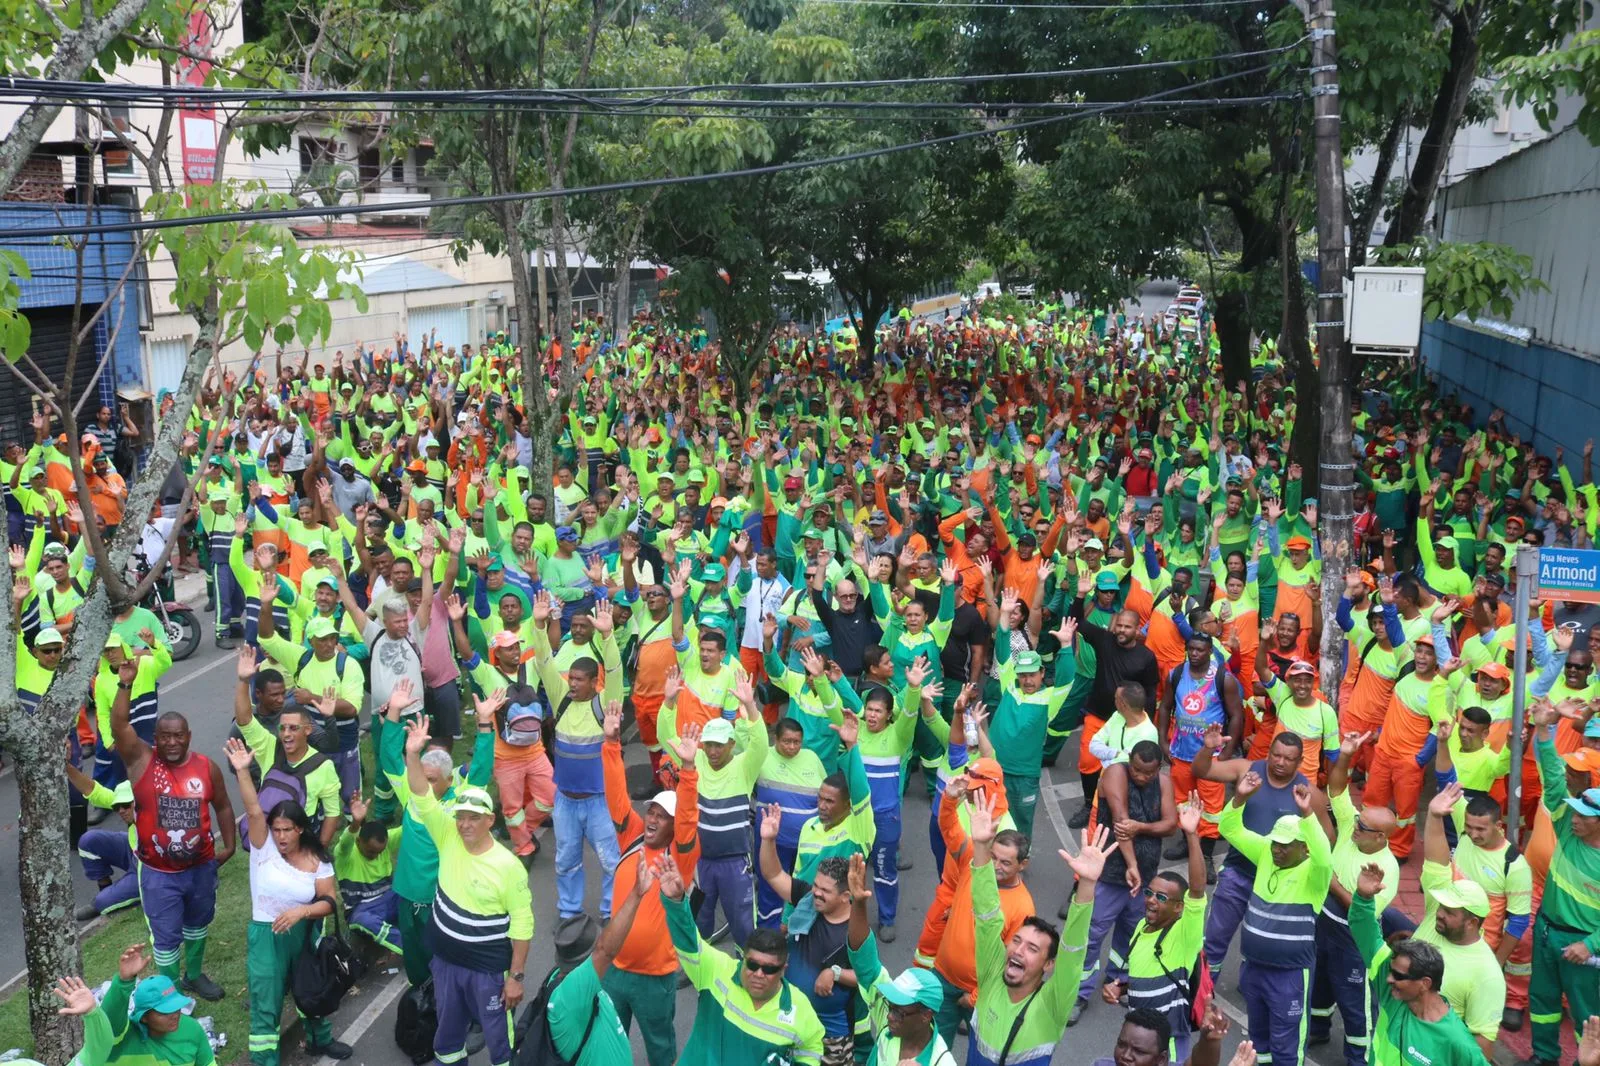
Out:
{"x": 201, "y": 688}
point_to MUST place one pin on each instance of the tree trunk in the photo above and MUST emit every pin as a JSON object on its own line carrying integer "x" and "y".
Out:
{"x": 1361, "y": 228}
{"x": 1449, "y": 104}
{"x": 1232, "y": 316}
{"x": 70, "y": 59}
{"x": 1294, "y": 345}
{"x": 44, "y": 868}
{"x": 622, "y": 294}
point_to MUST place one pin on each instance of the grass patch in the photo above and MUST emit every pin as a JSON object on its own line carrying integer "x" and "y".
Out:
{"x": 225, "y": 955}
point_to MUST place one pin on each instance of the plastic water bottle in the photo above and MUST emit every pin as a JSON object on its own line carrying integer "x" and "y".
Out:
{"x": 970, "y": 727}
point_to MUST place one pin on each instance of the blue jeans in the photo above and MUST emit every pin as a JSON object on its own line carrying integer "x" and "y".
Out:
{"x": 580, "y": 818}
{"x": 885, "y": 861}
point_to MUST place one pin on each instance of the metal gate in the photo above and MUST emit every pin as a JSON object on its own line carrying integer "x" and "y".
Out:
{"x": 52, "y": 330}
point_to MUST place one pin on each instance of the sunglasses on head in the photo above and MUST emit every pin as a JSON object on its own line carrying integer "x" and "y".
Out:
{"x": 771, "y": 969}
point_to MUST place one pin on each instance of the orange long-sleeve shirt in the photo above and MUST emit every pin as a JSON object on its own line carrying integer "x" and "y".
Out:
{"x": 971, "y": 590}
{"x": 648, "y": 949}
{"x": 1019, "y": 573}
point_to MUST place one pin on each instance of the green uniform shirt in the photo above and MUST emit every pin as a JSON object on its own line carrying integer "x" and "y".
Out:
{"x": 1572, "y": 888}
{"x": 110, "y": 1036}
{"x": 1401, "y": 1038}
{"x": 1474, "y": 982}
{"x": 571, "y": 1002}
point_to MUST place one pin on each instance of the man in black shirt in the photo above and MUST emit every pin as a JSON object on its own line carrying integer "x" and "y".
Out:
{"x": 851, "y": 624}
{"x": 1120, "y": 655}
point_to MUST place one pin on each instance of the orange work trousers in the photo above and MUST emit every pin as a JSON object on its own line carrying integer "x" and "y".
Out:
{"x": 1396, "y": 779}
{"x": 755, "y": 664}
{"x": 527, "y": 787}
{"x": 1519, "y": 967}
{"x": 1213, "y": 794}
{"x": 1088, "y": 764}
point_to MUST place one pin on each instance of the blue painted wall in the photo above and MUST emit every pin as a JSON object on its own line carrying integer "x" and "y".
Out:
{"x": 54, "y": 281}
{"x": 1548, "y": 395}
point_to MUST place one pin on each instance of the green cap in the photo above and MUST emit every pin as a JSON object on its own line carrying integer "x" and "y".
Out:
{"x": 320, "y": 627}
{"x": 1028, "y": 662}
{"x": 714, "y": 572}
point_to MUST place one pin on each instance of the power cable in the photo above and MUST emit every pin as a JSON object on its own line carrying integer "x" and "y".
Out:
{"x": 608, "y": 187}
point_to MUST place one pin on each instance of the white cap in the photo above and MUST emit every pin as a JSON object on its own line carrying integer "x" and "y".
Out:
{"x": 1096, "y": 543}
{"x": 667, "y": 801}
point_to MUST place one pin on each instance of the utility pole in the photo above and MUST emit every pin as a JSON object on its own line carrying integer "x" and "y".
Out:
{"x": 1336, "y": 508}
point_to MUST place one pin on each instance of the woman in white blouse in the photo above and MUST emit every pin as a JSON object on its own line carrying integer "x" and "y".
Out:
{"x": 291, "y": 890}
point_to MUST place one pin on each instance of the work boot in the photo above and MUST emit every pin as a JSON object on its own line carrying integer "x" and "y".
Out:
{"x": 1512, "y": 1020}
{"x": 1080, "y": 818}
{"x": 1077, "y": 1012}
{"x": 902, "y": 861}
{"x": 886, "y": 934}
{"x": 1211, "y": 870}
{"x": 1178, "y": 849}
{"x": 333, "y": 1049}
{"x": 86, "y": 912}
{"x": 204, "y": 987}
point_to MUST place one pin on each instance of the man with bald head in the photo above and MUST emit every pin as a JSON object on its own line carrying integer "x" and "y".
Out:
{"x": 1360, "y": 838}
{"x": 1120, "y": 657}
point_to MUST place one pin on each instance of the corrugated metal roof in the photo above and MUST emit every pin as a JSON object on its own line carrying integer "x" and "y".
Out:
{"x": 405, "y": 275}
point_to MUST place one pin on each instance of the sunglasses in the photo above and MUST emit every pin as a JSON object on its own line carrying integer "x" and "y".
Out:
{"x": 1404, "y": 976}
{"x": 771, "y": 969}
{"x": 1159, "y": 897}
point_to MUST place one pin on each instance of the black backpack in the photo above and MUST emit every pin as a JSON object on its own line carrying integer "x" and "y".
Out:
{"x": 415, "y": 1023}
{"x": 534, "y": 1044}
{"x": 282, "y": 782}
{"x": 325, "y": 970}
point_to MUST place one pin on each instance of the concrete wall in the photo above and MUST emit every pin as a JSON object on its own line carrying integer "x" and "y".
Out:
{"x": 1549, "y": 396}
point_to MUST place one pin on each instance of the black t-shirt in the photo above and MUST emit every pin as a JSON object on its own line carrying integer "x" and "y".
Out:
{"x": 968, "y": 628}
{"x": 1578, "y": 617}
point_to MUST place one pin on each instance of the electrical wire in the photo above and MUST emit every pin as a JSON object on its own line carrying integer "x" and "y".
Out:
{"x": 322, "y": 211}
{"x": 31, "y": 88}
{"x": 1002, "y": 5}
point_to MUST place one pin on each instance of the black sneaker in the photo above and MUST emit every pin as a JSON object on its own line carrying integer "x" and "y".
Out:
{"x": 1512, "y": 1019}
{"x": 1077, "y": 1012}
{"x": 205, "y": 988}
{"x": 86, "y": 912}
{"x": 902, "y": 862}
{"x": 333, "y": 1049}
{"x": 1317, "y": 1039}
{"x": 886, "y": 934}
{"x": 1211, "y": 870}
{"x": 1178, "y": 849}
{"x": 1080, "y": 818}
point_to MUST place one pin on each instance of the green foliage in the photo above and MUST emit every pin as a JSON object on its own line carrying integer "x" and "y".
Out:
{"x": 264, "y": 283}
{"x": 1546, "y": 81}
{"x": 15, "y": 332}
{"x": 1467, "y": 279}
{"x": 974, "y": 277}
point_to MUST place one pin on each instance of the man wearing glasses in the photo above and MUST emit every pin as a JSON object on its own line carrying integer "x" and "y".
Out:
{"x": 747, "y": 1011}
{"x": 1415, "y": 1023}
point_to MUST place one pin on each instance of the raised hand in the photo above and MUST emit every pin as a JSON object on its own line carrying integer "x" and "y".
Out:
{"x": 688, "y": 744}
{"x": 416, "y": 736}
{"x": 1370, "y": 881}
{"x": 1090, "y": 861}
{"x": 1066, "y": 632}
{"x": 1190, "y": 813}
{"x": 917, "y": 673}
{"x": 611, "y": 725}
{"x": 983, "y": 825}
{"x": 456, "y": 608}
{"x": 857, "y": 883}
{"x": 1302, "y": 799}
{"x": 1351, "y": 743}
{"x": 239, "y": 754}
{"x": 131, "y": 962}
{"x": 402, "y": 695}
{"x": 771, "y": 821}
{"x": 77, "y": 997}
{"x": 848, "y": 730}
{"x": 1248, "y": 784}
{"x": 1445, "y": 800}
{"x": 669, "y": 878}
{"x": 604, "y": 623}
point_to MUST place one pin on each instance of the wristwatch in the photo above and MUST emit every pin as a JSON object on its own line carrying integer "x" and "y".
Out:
{"x": 838, "y": 971}
{"x": 517, "y": 975}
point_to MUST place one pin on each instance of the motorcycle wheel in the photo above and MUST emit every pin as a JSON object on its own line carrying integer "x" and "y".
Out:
{"x": 183, "y": 633}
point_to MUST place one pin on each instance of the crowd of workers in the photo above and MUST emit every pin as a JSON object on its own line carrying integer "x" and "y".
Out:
{"x": 941, "y": 558}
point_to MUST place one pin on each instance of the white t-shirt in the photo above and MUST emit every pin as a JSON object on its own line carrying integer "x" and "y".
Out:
{"x": 275, "y": 886}
{"x": 390, "y": 661}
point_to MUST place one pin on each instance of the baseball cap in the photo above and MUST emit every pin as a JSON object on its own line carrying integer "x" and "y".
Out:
{"x": 122, "y": 795}
{"x": 716, "y": 502}
{"x": 717, "y": 731}
{"x": 1095, "y": 544}
{"x": 417, "y": 466}
{"x": 1106, "y": 581}
{"x": 1593, "y": 728}
{"x": 1448, "y": 543}
{"x": 157, "y": 994}
{"x": 1301, "y": 666}
{"x": 48, "y": 637}
{"x": 1588, "y": 803}
{"x": 667, "y": 801}
{"x": 1297, "y": 541}
{"x": 1585, "y": 759}
{"x": 1468, "y": 896}
{"x": 215, "y": 460}
{"x": 793, "y": 482}
{"x": 696, "y": 477}
{"x": 472, "y": 801}
{"x": 55, "y": 550}
{"x": 878, "y": 515}
{"x": 506, "y": 638}
{"x": 1285, "y": 830}
{"x": 1494, "y": 669}
{"x": 714, "y": 572}
{"x": 811, "y": 533}
{"x": 1027, "y": 662}
{"x": 914, "y": 986}
{"x": 320, "y": 627}
{"x": 566, "y": 533}
{"x": 985, "y": 769}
